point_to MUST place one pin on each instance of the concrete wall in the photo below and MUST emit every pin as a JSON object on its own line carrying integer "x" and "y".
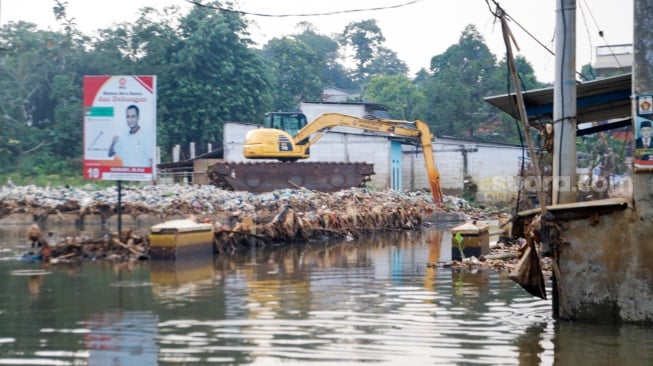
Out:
{"x": 332, "y": 94}
{"x": 492, "y": 167}
{"x": 449, "y": 164}
{"x": 606, "y": 261}
{"x": 606, "y": 269}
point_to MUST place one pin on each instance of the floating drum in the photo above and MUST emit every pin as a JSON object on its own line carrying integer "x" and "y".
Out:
{"x": 178, "y": 239}
{"x": 472, "y": 237}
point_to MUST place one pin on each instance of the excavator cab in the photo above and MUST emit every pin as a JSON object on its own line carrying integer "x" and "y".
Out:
{"x": 291, "y": 122}
{"x": 275, "y": 139}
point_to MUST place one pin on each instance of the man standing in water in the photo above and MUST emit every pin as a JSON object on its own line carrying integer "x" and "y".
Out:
{"x": 133, "y": 147}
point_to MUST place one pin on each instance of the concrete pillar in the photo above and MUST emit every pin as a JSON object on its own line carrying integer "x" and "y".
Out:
{"x": 176, "y": 150}
{"x": 643, "y": 85}
{"x": 606, "y": 256}
{"x": 564, "y": 104}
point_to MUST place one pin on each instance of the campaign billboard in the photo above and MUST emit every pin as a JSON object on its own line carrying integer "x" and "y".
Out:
{"x": 644, "y": 134}
{"x": 119, "y": 127}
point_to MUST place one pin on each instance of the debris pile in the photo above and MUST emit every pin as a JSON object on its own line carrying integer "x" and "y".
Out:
{"x": 238, "y": 217}
{"x": 503, "y": 257}
{"x": 174, "y": 201}
{"x": 127, "y": 247}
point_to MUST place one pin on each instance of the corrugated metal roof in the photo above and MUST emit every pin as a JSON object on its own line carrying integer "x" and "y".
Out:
{"x": 597, "y": 100}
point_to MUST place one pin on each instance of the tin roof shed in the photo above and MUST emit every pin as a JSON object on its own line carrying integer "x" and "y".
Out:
{"x": 597, "y": 100}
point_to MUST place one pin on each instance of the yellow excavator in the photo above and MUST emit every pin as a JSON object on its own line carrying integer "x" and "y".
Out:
{"x": 287, "y": 137}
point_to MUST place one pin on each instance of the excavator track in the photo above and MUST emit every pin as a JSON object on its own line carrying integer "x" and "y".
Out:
{"x": 261, "y": 177}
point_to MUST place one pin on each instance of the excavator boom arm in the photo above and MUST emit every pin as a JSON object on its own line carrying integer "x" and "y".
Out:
{"x": 417, "y": 130}
{"x": 329, "y": 120}
{"x": 432, "y": 172}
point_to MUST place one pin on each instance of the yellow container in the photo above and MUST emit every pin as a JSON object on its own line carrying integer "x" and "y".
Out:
{"x": 474, "y": 238}
{"x": 178, "y": 239}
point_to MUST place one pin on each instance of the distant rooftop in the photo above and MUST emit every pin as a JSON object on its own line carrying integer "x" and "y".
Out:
{"x": 613, "y": 58}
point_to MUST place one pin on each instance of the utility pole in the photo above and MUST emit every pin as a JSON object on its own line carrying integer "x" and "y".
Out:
{"x": 564, "y": 105}
{"x": 642, "y": 85}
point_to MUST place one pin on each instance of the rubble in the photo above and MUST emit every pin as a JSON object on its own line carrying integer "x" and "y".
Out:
{"x": 239, "y": 218}
{"x": 503, "y": 257}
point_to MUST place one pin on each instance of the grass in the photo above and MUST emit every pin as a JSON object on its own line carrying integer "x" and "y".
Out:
{"x": 51, "y": 180}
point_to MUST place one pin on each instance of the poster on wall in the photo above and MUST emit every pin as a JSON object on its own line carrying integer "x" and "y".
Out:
{"x": 643, "y": 134}
{"x": 119, "y": 127}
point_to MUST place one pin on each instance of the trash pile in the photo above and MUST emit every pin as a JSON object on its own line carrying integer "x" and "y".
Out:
{"x": 239, "y": 218}
{"x": 168, "y": 201}
{"x": 124, "y": 247}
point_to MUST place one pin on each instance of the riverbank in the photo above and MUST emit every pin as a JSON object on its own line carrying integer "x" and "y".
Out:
{"x": 152, "y": 204}
{"x": 240, "y": 219}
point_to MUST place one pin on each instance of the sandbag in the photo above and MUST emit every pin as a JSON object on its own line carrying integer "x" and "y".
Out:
{"x": 528, "y": 272}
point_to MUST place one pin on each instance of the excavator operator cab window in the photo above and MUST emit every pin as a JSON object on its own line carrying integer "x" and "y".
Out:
{"x": 289, "y": 122}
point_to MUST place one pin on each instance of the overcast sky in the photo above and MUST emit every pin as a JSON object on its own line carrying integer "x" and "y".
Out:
{"x": 417, "y": 31}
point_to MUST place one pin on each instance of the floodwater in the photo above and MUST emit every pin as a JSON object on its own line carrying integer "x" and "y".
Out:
{"x": 368, "y": 301}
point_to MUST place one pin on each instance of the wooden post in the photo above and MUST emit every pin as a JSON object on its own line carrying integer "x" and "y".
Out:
{"x": 119, "y": 209}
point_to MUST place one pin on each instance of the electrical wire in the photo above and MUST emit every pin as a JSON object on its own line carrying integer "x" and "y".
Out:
{"x": 589, "y": 37}
{"x": 197, "y": 3}
{"x": 602, "y": 35}
{"x": 519, "y": 25}
{"x": 526, "y": 31}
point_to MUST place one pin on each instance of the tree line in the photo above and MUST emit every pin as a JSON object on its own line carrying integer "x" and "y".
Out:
{"x": 209, "y": 72}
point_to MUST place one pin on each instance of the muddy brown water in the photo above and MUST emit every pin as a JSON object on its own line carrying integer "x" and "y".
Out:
{"x": 367, "y": 301}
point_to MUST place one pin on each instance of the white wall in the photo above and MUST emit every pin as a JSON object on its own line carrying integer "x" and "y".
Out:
{"x": 449, "y": 164}
{"x": 493, "y": 167}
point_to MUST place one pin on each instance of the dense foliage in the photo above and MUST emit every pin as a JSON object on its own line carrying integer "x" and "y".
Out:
{"x": 209, "y": 71}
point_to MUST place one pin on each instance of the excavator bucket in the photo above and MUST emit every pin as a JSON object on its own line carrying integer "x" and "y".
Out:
{"x": 260, "y": 177}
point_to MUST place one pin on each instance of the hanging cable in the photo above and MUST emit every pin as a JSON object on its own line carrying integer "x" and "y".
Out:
{"x": 198, "y": 3}
{"x": 526, "y": 31}
{"x": 602, "y": 35}
{"x": 589, "y": 37}
{"x": 519, "y": 25}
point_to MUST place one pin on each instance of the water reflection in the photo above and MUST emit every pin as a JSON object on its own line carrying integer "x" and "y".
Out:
{"x": 530, "y": 345}
{"x": 174, "y": 279}
{"x": 121, "y": 338}
{"x": 603, "y": 344}
{"x": 347, "y": 302}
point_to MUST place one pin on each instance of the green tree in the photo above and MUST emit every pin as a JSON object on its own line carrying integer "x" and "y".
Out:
{"x": 386, "y": 62}
{"x": 458, "y": 83}
{"x": 296, "y": 69}
{"x": 587, "y": 72}
{"x": 364, "y": 38}
{"x": 67, "y": 131}
{"x": 501, "y": 81}
{"x": 332, "y": 72}
{"x": 213, "y": 76}
{"x": 397, "y": 92}
{"x": 27, "y": 66}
